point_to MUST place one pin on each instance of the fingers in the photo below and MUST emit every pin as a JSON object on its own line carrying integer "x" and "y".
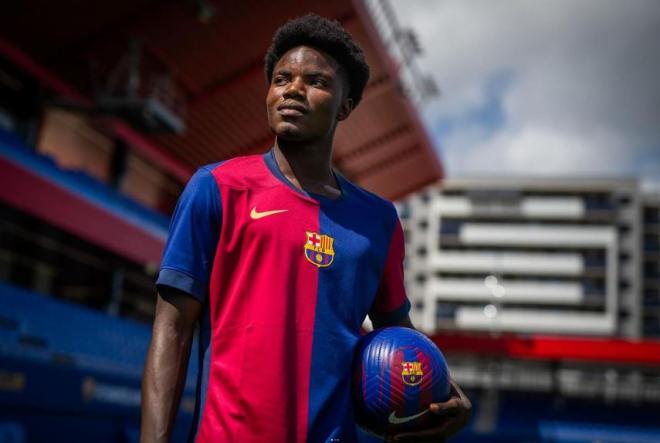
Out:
{"x": 457, "y": 403}
{"x": 455, "y": 414}
{"x": 448, "y": 408}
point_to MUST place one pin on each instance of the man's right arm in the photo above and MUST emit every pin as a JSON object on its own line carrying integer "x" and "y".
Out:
{"x": 167, "y": 363}
{"x": 183, "y": 287}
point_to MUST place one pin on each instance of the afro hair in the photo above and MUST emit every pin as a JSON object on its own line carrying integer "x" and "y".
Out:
{"x": 326, "y": 35}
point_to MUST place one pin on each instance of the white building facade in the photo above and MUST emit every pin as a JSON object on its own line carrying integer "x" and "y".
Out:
{"x": 651, "y": 265}
{"x": 548, "y": 256}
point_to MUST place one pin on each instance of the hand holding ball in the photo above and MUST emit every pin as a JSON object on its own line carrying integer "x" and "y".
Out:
{"x": 398, "y": 372}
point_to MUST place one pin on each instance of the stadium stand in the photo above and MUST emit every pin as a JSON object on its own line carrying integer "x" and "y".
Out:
{"x": 12, "y": 148}
{"x": 66, "y": 367}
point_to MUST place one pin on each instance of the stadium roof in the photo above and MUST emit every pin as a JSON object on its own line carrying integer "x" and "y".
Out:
{"x": 218, "y": 66}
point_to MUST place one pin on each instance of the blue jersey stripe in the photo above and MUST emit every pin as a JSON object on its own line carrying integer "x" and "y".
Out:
{"x": 193, "y": 236}
{"x": 346, "y": 291}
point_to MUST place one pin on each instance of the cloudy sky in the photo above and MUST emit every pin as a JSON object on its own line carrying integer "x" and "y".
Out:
{"x": 542, "y": 87}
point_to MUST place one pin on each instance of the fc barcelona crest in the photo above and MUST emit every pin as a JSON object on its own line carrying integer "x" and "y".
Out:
{"x": 319, "y": 250}
{"x": 411, "y": 372}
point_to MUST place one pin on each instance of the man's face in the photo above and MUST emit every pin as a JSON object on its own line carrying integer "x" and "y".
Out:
{"x": 307, "y": 95}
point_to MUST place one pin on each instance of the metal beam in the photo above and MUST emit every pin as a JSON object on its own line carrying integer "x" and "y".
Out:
{"x": 391, "y": 67}
{"x": 151, "y": 151}
{"x": 120, "y": 129}
{"x": 44, "y": 76}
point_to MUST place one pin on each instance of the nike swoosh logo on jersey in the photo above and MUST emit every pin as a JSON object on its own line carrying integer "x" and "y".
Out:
{"x": 257, "y": 215}
{"x": 398, "y": 420}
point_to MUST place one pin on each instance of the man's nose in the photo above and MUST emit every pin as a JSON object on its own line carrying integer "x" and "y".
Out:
{"x": 296, "y": 88}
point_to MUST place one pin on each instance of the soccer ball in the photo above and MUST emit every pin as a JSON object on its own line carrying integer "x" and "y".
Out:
{"x": 397, "y": 373}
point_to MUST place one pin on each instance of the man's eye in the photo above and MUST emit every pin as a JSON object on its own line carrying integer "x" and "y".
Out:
{"x": 319, "y": 82}
{"x": 279, "y": 80}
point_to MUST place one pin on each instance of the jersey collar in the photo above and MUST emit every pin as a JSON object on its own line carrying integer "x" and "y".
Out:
{"x": 269, "y": 159}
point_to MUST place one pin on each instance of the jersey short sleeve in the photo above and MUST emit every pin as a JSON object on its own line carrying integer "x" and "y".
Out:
{"x": 193, "y": 237}
{"x": 391, "y": 304}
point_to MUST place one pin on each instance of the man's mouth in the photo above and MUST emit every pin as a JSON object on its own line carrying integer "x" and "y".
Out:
{"x": 292, "y": 109}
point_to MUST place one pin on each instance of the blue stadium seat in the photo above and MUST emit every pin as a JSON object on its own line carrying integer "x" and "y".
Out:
{"x": 91, "y": 338}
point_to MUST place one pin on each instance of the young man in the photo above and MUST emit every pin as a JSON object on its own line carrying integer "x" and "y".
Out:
{"x": 280, "y": 259}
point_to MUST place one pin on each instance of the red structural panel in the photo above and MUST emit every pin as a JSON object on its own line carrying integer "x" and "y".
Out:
{"x": 23, "y": 189}
{"x": 553, "y": 348}
{"x": 151, "y": 151}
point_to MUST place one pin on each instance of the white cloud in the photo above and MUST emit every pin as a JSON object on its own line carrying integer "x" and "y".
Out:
{"x": 535, "y": 150}
{"x": 584, "y": 95}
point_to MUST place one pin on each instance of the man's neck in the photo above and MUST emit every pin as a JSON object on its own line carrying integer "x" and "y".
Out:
{"x": 307, "y": 166}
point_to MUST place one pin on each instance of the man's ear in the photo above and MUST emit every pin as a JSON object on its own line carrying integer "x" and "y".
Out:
{"x": 345, "y": 109}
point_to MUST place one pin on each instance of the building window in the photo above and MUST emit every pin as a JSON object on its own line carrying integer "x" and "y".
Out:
{"x": 651, "y": 243}
{"x": 651, "y": 215}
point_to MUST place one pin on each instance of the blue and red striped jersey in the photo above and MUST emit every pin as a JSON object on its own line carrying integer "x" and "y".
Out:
{"x": 286, "y": 278}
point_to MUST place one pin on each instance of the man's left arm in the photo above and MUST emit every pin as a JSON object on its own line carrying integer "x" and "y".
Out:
{"x": 391, "y": 308}
{"x": 452, "y": 414}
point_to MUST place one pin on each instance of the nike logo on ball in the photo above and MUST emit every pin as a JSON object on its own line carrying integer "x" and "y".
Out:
{"x": 257, "y": 215}
{"x": 398, "y": 420}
